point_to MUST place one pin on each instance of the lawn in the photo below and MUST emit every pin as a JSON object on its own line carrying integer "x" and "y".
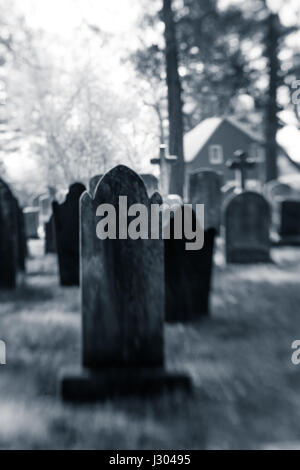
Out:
{"x": 246, "y": 390}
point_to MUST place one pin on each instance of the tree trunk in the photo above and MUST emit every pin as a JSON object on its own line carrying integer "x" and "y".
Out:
{"x": 174, "y": 101}
{"x": 272, "y": 122}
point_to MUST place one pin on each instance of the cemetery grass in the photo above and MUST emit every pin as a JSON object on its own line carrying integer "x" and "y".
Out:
{"x": 246, "y": 390}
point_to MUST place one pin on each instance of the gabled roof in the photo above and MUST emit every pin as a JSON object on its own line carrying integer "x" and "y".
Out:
{"x": 195, "y": 139}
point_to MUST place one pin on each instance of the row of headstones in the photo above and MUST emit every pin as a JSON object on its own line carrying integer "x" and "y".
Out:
{"x": 187, "y": 273}
{"x": 13, "y": 245}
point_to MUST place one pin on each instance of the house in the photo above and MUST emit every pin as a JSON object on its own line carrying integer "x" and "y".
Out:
{"x": 213, "y": 142}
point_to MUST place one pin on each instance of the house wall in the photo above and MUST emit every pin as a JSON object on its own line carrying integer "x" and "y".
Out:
{"x": 231, "y": 139}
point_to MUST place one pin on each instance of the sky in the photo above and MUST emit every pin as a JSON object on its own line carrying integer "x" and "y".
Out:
{"x": 119, "y": 18}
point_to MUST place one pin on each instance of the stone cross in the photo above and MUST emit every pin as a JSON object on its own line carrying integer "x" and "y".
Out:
{"x": 164, "y": 163}
{"x": 241, "y": 163}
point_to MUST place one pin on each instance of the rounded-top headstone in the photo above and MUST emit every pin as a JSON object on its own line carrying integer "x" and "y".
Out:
{"x": 247, "y": 226}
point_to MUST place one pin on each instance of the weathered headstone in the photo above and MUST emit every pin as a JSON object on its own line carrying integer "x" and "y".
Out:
{"x": 247, "y": 228}
{"x": 187, "y": 274}
{"x": 45, "y": 203}
{"x": 66, "y": 217}
{"x": 289, "y": 230}
{"x": 8, "y": 238}
{"x": 151, "y": 183}
{"x": 205, "y": 188}
{"x": 50, "y": 237}
{"x": 21, "y": 237}
{"x": 31, "y": 216}
{"x": 276, "y": 190}
{"x": 122, "y": 283}
{"x": 93, "y": 183}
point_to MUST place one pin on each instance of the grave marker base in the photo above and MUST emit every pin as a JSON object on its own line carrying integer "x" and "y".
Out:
{"x": 86, "y": 385}
{"x": 244, "y": 256}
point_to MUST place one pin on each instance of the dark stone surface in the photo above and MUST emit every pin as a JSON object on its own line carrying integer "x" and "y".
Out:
{"x": 21, "y": 237}
{"x": 31, "y": 216}
{"x": 122, "y": 284}
{"x": 205, "y": 188}
{"x": 93, "y": 183}
{"x": 50, "y": 237}
{"x": 66, "y": 217}
{"x": 83, "y": 385}
{"x": 247, "y": 225}
{"x": 9, "y": 260}
{"x": 290, "y": 221}
{"x": 188, "y": 277}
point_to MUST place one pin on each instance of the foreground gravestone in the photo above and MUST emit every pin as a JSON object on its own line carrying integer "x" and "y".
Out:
{"x": 247, "y": 228}
{"x": 122, "y": 283}
{"x": 9, "y": 258}
{"x": 50, "y": 238}
{"x": 66, "y": 217}
{"x": 188, "y": 274}
{"x": 289, "y": 230}
{"x": 205, "y": 188}
{"x": 93, "y": 183}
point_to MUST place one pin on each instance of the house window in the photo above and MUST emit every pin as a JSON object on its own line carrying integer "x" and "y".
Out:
{"x": 257, "y": 152}
{"x": 216, "y": 154}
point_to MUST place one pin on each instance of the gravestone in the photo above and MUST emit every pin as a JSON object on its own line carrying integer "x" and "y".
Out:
{"x": 8, "y": 238}
{"x": 45, "y": 203}
{"x": 50, "y": 238}
{"x": 188, "y": 274}
{"x": 93, "y": 183}
{"x": 21, "y": 237}
{"x": 122, "y": 283}
{"x": 31, "y": 216}
{"x": 247, "y": 228}
{"x": 289, "y": 230}
{"x": 66, "y": 217}
{"x": 276, "y": 190}
{"x": 205, "y": 188}
{"x": 151, "y": 183}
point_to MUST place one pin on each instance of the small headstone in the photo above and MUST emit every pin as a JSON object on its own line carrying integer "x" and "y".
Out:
{"x": 276, "y": 190}
{"x": 50, "y": 238}
{"x": 151, "y": 183}
{"x": 45, "y": 208}
{"x": 188, "y": 275}
{"x": 93, "y": 183}
{"x": 122, "y": 302}
{"x": 8, "y": 238}
{"x": 31, "y": 216}
{"x": 66, "y": 217}
{"x": 21, "y": 235}
{"x": 289, "y": 230}
{"x": 205, "y": 188}
{"x": 247, "y": 227}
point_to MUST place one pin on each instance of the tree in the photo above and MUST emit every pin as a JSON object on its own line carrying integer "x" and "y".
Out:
{"x": 174, "y": 101}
